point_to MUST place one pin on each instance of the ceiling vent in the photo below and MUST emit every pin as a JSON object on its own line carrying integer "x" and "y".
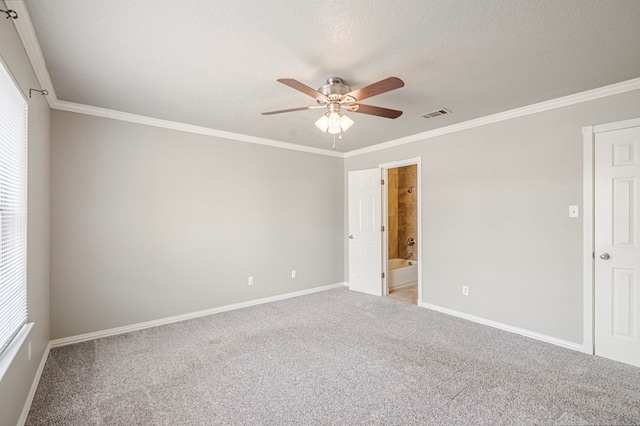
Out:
{"x": 436, "y": 113}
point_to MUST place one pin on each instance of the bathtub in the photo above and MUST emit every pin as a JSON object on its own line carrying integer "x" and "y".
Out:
{"x": 402, "y": 272}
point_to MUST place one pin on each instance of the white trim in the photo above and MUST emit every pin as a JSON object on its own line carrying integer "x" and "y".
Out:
{"x": 420, "y": 239}
{"x": 10, "y": 353}
{"x": 34, "y": 386}
{"x": 589, "y": 95}
{"x": 80, "y": 108}
{"x": 168, "y": 320}
{"x": 190, "y": 128}
{"x": 618, "y": 125}
{"x": 505, "y": 327}
{"x": 587, "y": 237}
{"x": 385, "y": 235}
{"x": 385, "y": 241}
{"x": 27, "y": 34}
{"x": 15, "y": 82}
{"x": 400, "y": 163}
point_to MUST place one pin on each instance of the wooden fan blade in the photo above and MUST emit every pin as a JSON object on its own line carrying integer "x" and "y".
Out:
{"x": 295, "y": 84}
{"x": 293, "y": 109}
{"x": 379, "y": 111}
{"x": 381, "y": 86}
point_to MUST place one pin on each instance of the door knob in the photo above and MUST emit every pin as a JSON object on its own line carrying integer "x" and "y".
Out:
{"x": 351, "y": 237}
{"x": 604, "y": 256}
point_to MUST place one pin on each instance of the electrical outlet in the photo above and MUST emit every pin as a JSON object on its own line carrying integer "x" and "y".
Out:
{"x": 465, "y": 290}
{"x": 250, "y": 281}
{"x": 29, "y": 351}
{"x": 293, "y": 274}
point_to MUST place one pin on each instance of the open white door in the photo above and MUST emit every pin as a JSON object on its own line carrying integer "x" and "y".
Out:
{"x": 365, "y": 231}
{"x": 617, "y": 245}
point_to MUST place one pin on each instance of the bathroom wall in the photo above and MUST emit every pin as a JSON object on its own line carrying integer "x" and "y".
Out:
{"x": 402, "y": 211}
{"x": 407, "y": 210}
{"x": 392, "y": 213}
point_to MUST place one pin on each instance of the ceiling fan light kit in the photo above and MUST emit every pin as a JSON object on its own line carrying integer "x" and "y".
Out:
{"x": 335, "y": 96}
{"x": 334, "y": 123}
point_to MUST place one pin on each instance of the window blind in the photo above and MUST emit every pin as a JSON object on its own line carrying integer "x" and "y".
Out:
{"x": 13, "y": 209}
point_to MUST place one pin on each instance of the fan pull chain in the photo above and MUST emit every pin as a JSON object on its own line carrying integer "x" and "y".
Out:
{"x": 334, "y": 141}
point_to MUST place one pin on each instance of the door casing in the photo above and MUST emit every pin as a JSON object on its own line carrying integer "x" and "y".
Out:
{"x": 385, "y": 220}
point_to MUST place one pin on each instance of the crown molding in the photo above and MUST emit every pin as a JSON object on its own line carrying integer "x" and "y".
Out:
{"x": 190, "y": 128}
{"x": 589, "y": 95}
{"x": 27, "y": 34}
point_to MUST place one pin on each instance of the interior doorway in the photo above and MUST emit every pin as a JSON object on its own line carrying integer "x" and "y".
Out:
{"x": 368, "y": 224}
{"x": 402, "y": 239}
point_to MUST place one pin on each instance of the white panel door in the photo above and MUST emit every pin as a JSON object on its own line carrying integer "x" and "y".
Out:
{"x": 365, "y": 231}
{"x": 617, "y": 239}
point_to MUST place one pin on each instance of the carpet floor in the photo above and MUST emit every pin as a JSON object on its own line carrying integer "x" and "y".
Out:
{"x": 331, "y": 358}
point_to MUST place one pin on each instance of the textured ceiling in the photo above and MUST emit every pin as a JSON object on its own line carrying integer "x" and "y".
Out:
{"x": 215, "y": 63}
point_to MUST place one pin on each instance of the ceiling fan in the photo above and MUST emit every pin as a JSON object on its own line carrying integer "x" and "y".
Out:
{"x": 335, "y": 96}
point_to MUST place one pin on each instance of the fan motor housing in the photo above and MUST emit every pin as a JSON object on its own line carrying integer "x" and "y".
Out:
{"x": 334, "y": 89}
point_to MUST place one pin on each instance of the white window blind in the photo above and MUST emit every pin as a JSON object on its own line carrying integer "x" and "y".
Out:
{"x": 13, "y": 209}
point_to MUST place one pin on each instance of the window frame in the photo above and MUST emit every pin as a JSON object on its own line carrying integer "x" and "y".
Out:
{"x": 17, "y": 327}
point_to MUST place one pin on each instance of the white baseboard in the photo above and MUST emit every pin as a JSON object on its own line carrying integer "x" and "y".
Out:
{"x": 34, "y": 386}
{"x": 168, "y": 320}
{"x": 505, "y": 327}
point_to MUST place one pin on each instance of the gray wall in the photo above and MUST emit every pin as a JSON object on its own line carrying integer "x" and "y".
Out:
{"x": 495, "y": 215}
{"x": 149, "y": 223}
{"x": 15, "y": 385}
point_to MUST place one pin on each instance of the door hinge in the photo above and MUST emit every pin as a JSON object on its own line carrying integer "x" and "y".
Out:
{"x": 593, "y": 255}
{"x": 383, "y": 275}
{"x": 382, "y": 228}
{"x": 381, "y": 181}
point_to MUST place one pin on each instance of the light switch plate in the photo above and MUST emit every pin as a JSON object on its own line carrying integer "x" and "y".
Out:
{"x": 574, "y": 211}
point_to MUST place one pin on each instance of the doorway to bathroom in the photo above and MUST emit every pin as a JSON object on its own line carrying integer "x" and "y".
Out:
{"x": 402, "y": 242}
{"x": 370, "y": 270}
